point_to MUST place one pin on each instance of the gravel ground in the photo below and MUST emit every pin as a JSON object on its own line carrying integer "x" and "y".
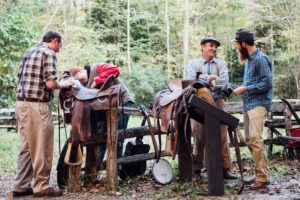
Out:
{"x": 144, "y": 187}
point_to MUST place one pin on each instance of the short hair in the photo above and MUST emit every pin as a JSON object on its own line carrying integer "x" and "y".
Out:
{"x": 50, "y": 35}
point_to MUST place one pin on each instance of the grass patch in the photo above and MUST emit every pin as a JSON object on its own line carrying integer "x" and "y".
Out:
{"x": 9, "y": 149}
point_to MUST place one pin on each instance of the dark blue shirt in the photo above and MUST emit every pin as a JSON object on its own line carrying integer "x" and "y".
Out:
{"x": 258, "y": 80}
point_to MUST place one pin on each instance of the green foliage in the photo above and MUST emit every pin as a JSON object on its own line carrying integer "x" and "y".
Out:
{"x": 235, "y": 68}
{"x": 285, "y": 86}
{"x": 8, "y": 152}
{"x": 144, "y": 82}
{"x": 96, "y": 31}
{"x": 14, "y": 39}
{"x": 147, "y": 32}
{"x": 82, "y": 48}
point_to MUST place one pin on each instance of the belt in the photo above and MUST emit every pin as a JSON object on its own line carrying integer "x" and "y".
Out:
{"x": 30, "y": 99}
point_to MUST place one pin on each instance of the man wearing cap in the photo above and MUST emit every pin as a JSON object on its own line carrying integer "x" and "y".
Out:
{"x": 213, "y": 70}
{"x": 256, "y": 92}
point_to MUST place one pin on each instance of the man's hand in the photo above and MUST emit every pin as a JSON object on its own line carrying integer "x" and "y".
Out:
{"x": 240, "y": 90}
{"x": 213, "y": 77}
{"x": 93, "y": 85}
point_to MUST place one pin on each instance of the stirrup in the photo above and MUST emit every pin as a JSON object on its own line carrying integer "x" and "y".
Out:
{"x": 78, "y": 156}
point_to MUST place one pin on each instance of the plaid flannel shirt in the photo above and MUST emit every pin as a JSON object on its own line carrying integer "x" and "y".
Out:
{"x": 39, "y": 67}
{"x": 258, "y": 80}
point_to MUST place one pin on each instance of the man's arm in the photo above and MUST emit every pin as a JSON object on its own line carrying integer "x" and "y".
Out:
{"x": 54, "y": 84}
{"x": 223, "y": 78}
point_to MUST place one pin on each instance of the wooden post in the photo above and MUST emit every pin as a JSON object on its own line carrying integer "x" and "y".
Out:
{"x": 73, "y": 158}
{"x": 74, "y": 178}
{"x": 214, "y": 159}
{"x": 112, "y": 140}
{"x": 185, "y": 164}
{"x": 287, "y": 120}
{"x": 213, "y": 116}
{"x": 90, "y": 165}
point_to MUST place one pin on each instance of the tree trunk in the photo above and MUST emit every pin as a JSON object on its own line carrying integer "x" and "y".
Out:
{"x": 297, "y": 74}
{"x": 112, "y": 140}
{"x": 52, "y": 17}
{"x": 168, "y": 37}
{"x": 128, "y": 36}
{"x": 186, "y": 37}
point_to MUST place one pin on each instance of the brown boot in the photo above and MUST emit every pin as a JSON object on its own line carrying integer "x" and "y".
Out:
{"x": 26, "y": 192}
{"x": 49, "y": 192}
{"x": 258, "y": 185}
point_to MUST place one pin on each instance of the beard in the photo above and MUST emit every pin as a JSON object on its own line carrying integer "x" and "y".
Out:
{"x": 244, "y": 55}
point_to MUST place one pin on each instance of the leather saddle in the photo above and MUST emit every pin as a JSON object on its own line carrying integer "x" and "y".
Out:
{"x": 83, "y": 93}
{"x": 177, "y": 87}
{"x": 81, "y": 100}
{"x": 169, "y": 102}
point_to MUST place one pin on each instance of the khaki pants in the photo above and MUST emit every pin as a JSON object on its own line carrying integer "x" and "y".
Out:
{"x": 199, "y": 141}
{"x": 254, "y": 122}
{"x": 36, "y": 145}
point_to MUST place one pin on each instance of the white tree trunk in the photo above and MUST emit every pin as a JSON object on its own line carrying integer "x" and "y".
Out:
{"x": 52, "y": 17}
{"x": 128, "y": 36}
{"x": 186, "y": 37}
{"x": 168, "y": 37}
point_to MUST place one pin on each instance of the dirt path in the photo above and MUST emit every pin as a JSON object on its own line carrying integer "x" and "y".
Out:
{"x": 285, "y": 186}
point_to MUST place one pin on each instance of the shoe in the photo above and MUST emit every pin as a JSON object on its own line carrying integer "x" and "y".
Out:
{"x": 249, "y": 181}
{"x": 258, "y": 185}
{"x": 198, "y": 177}
{"x": 49, "y": 192}
{"x": 27, "y": 192}
{"x": 227, "y": 174}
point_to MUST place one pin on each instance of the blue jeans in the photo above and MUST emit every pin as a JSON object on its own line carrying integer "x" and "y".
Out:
{"x": 122, "y": 124}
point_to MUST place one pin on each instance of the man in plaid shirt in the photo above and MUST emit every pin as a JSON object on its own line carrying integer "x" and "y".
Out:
{"x": 37, "y": 78}
{"x": 256, "y": 92}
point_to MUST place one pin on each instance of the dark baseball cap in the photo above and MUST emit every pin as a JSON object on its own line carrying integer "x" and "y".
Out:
{"x": 210, "y": 39}
{"x": 243, "y": 35}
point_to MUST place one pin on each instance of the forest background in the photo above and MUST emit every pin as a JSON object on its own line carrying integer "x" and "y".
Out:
{"x": 151, "y": 40}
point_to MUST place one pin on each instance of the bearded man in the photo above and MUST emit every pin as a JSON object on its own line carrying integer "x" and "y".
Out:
{"x": 256, "y": 92}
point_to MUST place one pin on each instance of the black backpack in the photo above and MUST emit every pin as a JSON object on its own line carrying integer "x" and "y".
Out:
{"x": 62, "y": 169}
{"x": 134, "y": 169}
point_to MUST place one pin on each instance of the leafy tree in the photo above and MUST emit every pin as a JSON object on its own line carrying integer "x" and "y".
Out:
{"x": 279, "y": 24}
{"x": 14, "y": 39}
{"x": 144, "y": 82}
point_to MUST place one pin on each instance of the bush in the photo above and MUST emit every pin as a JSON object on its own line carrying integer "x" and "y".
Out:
{"x": 284, "y": 86}
{"x": 144, "y": 82}
{"x": 14, "y": 39}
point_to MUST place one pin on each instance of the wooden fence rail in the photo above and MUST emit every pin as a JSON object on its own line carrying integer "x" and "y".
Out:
{"x": 280, "y": 117}
{"x": 8, "y": 119}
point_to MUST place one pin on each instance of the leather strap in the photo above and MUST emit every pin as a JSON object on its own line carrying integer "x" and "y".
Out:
{"x": 143, "y": 109}
{"x": 238, "y": 159}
